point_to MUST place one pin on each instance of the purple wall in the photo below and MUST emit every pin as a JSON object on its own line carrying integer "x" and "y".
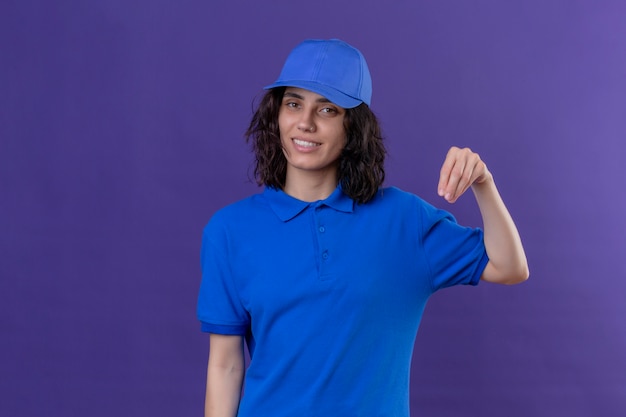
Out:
{"x": 121, "y": 133}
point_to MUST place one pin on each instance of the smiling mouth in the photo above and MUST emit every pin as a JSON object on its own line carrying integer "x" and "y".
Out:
{"x": 305, "y": 144}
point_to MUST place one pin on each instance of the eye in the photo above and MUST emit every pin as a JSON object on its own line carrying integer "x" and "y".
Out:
{"x": 329, "y": 110}
{"x": 290, "y": 104}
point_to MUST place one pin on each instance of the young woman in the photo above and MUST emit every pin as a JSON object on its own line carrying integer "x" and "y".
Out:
{"x": 325, "y": 274}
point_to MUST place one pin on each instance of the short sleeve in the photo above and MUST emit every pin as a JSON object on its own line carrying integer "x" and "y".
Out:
{"x": 455, "y": 254}
{"x": 219, "y": 307}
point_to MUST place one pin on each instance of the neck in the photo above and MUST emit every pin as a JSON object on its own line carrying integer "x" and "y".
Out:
{"x": 310, "y": 186}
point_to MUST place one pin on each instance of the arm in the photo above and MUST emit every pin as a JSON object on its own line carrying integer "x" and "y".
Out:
{"x": 463, "y": 169}
{"x": 224, "y": 376}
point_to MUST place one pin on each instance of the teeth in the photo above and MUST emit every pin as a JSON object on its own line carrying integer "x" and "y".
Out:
{"x": 305, "y": 143}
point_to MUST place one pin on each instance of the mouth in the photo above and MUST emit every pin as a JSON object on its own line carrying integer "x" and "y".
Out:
{"x": 305, "y": 143}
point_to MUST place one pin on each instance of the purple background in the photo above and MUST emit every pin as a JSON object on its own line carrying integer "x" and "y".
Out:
{"x": 121, "y": 133}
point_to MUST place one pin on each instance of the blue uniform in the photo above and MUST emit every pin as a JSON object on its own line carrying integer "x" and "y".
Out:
{"x": 329, "y": 295}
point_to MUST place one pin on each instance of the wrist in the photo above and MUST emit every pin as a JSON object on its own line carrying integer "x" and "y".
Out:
{"x": 484, "y": 181}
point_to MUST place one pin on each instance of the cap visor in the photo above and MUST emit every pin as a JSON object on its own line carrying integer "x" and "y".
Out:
{"x": 335, "y": 96}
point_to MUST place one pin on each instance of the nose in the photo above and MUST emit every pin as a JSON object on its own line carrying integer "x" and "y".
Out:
{"x": 306, "y": 122}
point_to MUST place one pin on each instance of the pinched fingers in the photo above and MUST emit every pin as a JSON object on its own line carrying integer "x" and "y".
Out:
{"x": 459, "y": 171}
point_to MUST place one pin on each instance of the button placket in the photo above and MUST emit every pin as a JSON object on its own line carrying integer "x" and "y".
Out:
{"x": 322, "y": 238}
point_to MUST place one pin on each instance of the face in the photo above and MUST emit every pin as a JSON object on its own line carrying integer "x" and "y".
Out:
{"x": 311, "y": 132}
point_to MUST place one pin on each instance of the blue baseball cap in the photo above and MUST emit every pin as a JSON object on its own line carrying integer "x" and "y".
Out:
{"x": 330, "y": 68}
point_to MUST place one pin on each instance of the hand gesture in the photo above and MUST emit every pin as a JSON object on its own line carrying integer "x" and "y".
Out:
{"x": 461, "y": 169}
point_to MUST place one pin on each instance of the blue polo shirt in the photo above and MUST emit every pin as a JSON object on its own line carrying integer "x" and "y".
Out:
{"x": 329, "y": 295}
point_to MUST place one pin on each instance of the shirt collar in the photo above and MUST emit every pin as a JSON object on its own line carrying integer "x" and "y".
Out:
{"x": 287, "y": 207}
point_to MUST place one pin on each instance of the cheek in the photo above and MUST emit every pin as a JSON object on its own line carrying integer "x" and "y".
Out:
{"x": 343, "y": 133}
{"x": 281, "y": 119}
{"x": 282, "y": 143}
{"x": 342, "y": 136}
{"x": 281, "y": 130}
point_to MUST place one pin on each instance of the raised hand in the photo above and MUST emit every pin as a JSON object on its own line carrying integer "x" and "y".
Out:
{"x": 461, "y": 169}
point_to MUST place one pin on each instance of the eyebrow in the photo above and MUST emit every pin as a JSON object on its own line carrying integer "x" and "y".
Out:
{"x": 298, "y": 96}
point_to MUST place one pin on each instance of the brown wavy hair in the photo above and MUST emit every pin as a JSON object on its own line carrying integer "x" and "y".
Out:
{"x": 361, "y": 165}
